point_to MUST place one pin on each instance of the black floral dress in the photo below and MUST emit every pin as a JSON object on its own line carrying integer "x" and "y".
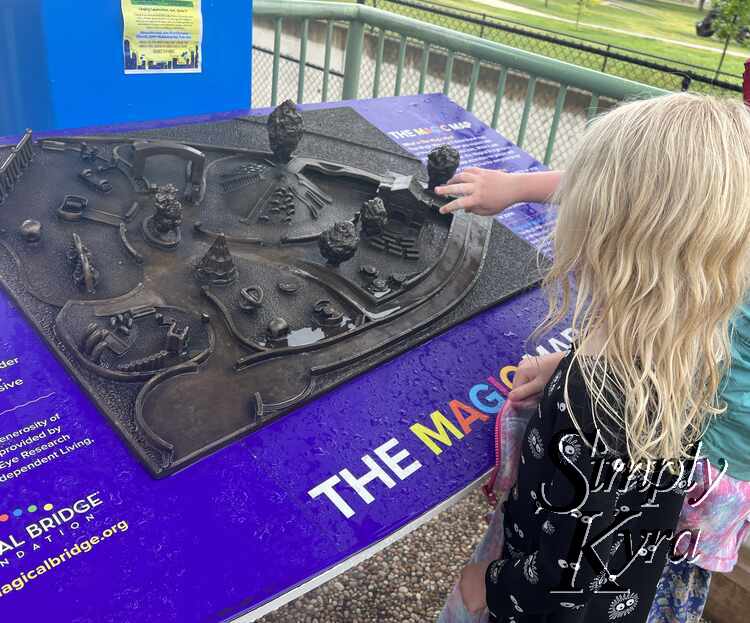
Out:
{"x": 586, "y": 538}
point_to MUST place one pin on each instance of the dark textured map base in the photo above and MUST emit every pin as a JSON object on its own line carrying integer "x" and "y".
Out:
{"x": 236, "y": 375}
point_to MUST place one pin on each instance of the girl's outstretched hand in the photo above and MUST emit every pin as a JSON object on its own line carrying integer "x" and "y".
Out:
{"x": 530, "y": 379}
{"x": 480, "y": 191}
{"x": 472, "y": 587}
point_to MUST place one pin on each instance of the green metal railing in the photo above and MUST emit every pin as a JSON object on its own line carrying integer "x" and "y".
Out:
{"x": 402, "y": 32}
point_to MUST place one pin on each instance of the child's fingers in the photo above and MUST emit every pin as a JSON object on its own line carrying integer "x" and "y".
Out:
{"x": 529, "y": 403}
{"x": 462, "y": 203}
{"x": 522, "y": 377}
{"x": 465, "y": 188}
{"x": 464, "y": 176}
{"x": 525, "y": 390}
{"x": 462, "y": 190}
{"x": 450, "y": 207}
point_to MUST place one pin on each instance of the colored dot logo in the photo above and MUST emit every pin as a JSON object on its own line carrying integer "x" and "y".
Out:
{"x": 18, "y": 512}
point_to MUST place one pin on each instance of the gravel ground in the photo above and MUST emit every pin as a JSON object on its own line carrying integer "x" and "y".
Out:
{"x": 406, "y": 583}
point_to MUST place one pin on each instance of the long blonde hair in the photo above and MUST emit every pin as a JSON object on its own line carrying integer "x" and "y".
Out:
{"x": 652, "y": 256}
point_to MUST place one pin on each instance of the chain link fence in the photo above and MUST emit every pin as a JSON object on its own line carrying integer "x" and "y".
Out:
{"x": 289, "y": 65}
{"x": 625, "y": 63}
{"x": 288, "y": 76}
{"x": 407, "y": 82}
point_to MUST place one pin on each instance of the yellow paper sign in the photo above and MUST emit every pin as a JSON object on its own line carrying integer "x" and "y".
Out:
{"x": 162, "y": 36}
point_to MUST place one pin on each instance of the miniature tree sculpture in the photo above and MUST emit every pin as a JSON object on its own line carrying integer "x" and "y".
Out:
{"x": 289, "y": 188}
{"x": 442, "y": 164}
{"x": 374, "y": 216}
{"x": 285, "y": 130}
{"x": 85, "y": 274}
{"x": 168, "y": 215}
{"x": 163, "y": 227}
{"x": 217, "y": 266}
{"x": 339, "y": 242}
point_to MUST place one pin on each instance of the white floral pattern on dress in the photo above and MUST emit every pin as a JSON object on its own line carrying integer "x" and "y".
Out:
{"x": 622, "y": 605}
{"x": 529, "y": 569}
{"x": 539, "y": 508}
{"x": 548, "y": 528}
{"x": 599, "y": 581}
{"x": 535, "y": 443}
{"x": 615, "y": 546}
{"x": 495, "y": 569}
{"x": 514, "y": 553}
{"x": 515, "y": 603}
{"x": 570, "y": 446}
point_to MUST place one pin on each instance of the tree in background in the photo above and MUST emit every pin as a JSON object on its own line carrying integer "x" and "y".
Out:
{"x": 732, "y": 19}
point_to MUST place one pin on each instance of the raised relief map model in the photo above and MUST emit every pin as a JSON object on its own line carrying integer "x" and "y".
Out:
{"x": 203, "y": 280}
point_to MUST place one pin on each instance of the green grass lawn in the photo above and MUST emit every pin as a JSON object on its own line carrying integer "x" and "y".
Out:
{"x": 651, "y": 17}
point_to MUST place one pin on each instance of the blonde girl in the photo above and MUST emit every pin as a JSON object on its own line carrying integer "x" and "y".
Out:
{"x": 651, "y": 253}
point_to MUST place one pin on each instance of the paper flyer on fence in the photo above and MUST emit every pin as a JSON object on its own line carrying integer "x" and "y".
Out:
{"x": 162, "y": 36}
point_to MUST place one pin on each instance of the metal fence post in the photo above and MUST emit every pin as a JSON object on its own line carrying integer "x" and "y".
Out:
{"x": 353, "y": 63}
{"x": 276, "y": 61}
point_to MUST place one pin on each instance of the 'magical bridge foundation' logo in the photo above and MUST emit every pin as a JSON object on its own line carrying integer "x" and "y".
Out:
{"x": 41, "y": 520}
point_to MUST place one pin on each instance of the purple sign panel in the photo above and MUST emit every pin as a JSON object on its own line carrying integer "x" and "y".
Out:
{"x": 87, "y": 535}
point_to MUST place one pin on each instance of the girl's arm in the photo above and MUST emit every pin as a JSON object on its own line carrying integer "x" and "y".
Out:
{"x": 485, "y": 191}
